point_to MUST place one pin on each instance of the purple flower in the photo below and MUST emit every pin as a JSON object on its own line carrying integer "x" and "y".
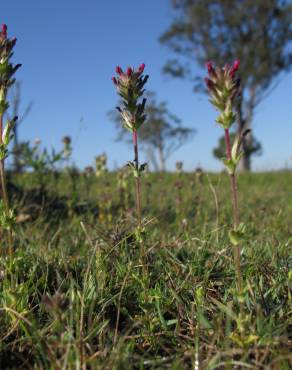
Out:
{"x": 4, "y": 31}
{"x": 119, "y": 70}
{"x": 141, "y": 68}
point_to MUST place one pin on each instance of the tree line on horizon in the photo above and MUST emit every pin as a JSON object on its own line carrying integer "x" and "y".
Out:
{"x": 257, "y": 32}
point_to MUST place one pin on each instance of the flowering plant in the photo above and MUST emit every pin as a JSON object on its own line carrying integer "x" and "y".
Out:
{"x": 7, "y": 71}
{"x": 224, "y": 87}
{"x": 100, "y": 165}
{"x": 130, "y": 87}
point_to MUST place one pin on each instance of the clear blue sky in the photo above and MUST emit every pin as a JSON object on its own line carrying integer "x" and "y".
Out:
{"x": 69, "y": 50}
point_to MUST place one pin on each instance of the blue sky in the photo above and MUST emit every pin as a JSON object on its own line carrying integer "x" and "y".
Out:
{"x": 69, "y": 50}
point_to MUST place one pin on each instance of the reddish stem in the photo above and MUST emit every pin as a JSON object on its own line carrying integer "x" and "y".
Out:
{"x": 4, "y": 188}
{"x": 138, "y": 184}
{"x": 138, "y": 200}
{"x": 237, "y": 249}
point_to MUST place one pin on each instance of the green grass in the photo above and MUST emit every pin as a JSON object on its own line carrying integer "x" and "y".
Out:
{"x": 75, "y": 295}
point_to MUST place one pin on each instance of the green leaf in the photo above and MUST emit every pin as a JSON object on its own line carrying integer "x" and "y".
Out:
{"x": 3, "y": 106}
{"x": 160, "y": 315}
{"x": 230, "y": 165}
{"x": 237, "y": 236}
{"x": 7, "y": 218}
{"x": 235, "y": 149}
{"x": 3, "y": 152}
{"x": 142, "y": 167}
{"x": 204, "y": 321}
{"x": 234, "y": 238}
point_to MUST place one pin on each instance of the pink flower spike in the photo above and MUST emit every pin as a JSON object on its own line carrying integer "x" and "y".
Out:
{"x": 119, "y": 70}
{"x": 114, "y": 80}
{"x": 129, "y": 71}
{"x": 141, "y": 68}
{"x": 4, "y": 30}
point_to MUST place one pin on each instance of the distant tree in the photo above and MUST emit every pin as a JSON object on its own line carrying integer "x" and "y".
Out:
{"x": 258, "y": 32}
{"x": 254, "y": 148}
{"x": 15, "y": 101}
{"x": 161, "y": 135}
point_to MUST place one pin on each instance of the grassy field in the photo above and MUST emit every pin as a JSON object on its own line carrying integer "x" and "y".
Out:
{"x": 76, "y": 296}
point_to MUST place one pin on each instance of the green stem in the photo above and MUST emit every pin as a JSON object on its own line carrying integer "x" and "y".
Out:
{"x": 237, "y": 249}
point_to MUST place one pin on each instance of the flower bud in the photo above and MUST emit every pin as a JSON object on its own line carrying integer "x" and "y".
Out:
{"x": 4, "y": 31}
{"x": 119, "y": 70}
{"x": 236, "y": 65}
{"x": 129, "y": 71}
{"x": 209, "y": 83}
{"x": 209, "y": 66}
{"x": 66, "y": 140}
{"x": 141, "y": 68}
{"x": 234, "y": 68}
{"x": 211, "y": 69}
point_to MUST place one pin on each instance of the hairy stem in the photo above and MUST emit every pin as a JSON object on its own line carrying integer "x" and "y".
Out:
{"x": 4, "y": 188}
{"x": 237, "y": 249}
{"x": 138, "y": 206}
{"x": 138, "y": 184}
